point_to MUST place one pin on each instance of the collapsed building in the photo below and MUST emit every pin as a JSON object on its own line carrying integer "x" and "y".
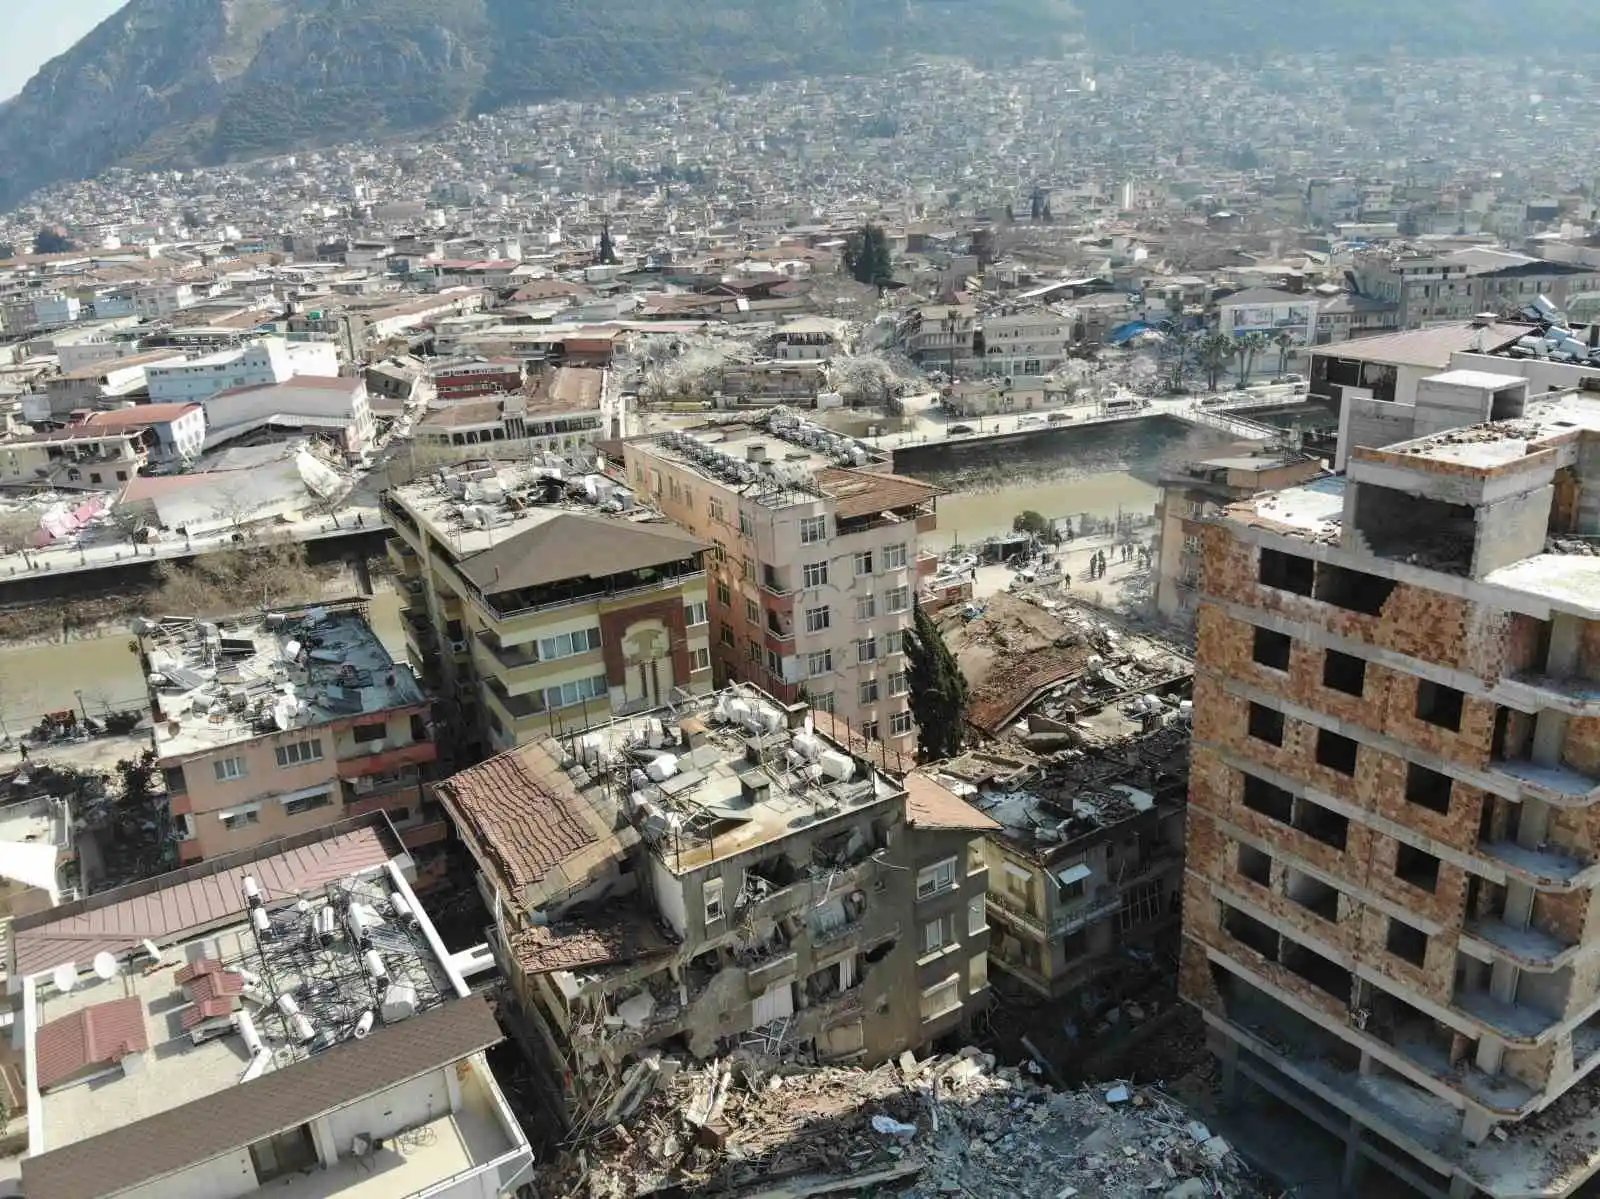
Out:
{"x": 724, "y": 873}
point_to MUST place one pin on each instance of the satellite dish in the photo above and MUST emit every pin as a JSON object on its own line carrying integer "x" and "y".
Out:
{"x": 105, "y": 966}
{"x": 65, "y": 977}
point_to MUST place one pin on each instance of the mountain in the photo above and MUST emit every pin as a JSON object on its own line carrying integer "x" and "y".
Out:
{"x": 1248, "y": 28}
{"x": 184, "y": 82}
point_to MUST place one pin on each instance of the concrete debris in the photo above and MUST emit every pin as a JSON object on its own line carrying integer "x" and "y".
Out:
{"x": 943, "y": 1126}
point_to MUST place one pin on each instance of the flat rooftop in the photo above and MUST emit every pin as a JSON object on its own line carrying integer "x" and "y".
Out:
{"x": 744, "y": 781}
{"x": 479, "y": 506}
{"x": 1543, "y": 424}
{"x": 209, "y": 1014}
{"x": 223, "y": 683}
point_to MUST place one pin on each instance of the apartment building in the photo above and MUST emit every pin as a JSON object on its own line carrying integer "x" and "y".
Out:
{"x": 1458, "y": 285}
{"x": 268, "y": 360}
{"x": 720, "y": 872}
{"x": 941, "y": 337}
{"x": 75, "y": 459}
{"x": 270, "y": 726}
{"x": 281, "y": 1022}
{"x": 816, "y": 567}
{"x": 560, "y": 411}
{"x": 535, "y": 602}
{"x": 1389, "y": 918}
{"x": 1085, "y": 858}
{"x": 1191, "y": 495}
{"x": 1025, "y": 343}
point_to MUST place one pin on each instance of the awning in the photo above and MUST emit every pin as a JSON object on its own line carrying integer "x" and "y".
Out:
{"x": 32, "y": 863}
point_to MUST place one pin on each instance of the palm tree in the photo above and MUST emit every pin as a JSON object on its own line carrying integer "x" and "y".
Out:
{"x": 1285, "y": 343}
{"x": 1215, "y": 351}
{"x": 1247, "y": 349}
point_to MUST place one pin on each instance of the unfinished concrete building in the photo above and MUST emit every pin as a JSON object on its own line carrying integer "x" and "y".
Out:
{"x": 1389, "y": 916}
{"x": 1086, "y": 858}
{"x": 721, "y": 875}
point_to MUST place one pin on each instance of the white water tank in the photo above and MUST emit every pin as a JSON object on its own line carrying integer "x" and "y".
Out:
{"x": 399, "y": 1001}
{"x": 837, "y": 765}
{"x": 662, "y": 768}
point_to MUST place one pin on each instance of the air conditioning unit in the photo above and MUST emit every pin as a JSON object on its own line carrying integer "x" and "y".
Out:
{"x": 459, "y": 647}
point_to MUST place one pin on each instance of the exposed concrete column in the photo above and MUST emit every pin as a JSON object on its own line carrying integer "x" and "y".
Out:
{"x": 1533, "y": 826}
{"x": 1491, "y": 1051}
{"x": 1355, "y": 1161}
{"x": 1462, "y": 1188}
{"x": 1475, "y": 1126}
{"x": 1228, "y": 1059}
{"x": 1549, "y": 735}
{"x": 1367, "y": 1063}
{"x": 1519, "y": 903}
{"x": 1566, "y": 636}
{"x": 1503, "y": 981}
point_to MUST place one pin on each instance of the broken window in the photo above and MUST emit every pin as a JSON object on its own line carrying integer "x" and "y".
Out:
{"x": 1414, "y": 866}
{"x": 1344, "y": 672}
{"x": 1262, "y": 796}
{"x": 1440, "y": 705}
{"x": 713, "y": 898}
{"x": 1317, "y": 970}
{"x": 1266, "y": 724}
{"x": 1286, "y": 572}
{"x": 931, "y": 880}
{"x": 1272, "y": 649}
{"x": 1353, "y": 590}
{"x": 1428, "y": 788}
{"x": 1407, "y": 943}
{"x": 1250, "y": 932}
{"x": 1255, "y": 865}
{"x": 1336, "y": 752}
{"x": 1312, "y": 894}
{"x": 1140, "y": 905}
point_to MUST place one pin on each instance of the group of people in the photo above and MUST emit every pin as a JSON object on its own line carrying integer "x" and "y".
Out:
{"x": 1126, "y": 552}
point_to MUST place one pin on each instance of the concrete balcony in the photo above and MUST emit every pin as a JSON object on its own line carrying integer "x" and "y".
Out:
{"x": 1548, "y": 869}
{"x": 1528, "y": 948}
{"x": 403, "y": 558}
{"x": 1558, "y": 786}
{"x": 385, "y": 761}
{"x": 1515, "y": 1023}
{"x": 760, "y": 979}
{"x": 1532, "y": 690}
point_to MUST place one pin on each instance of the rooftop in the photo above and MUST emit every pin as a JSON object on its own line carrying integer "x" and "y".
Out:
{"x": 220, "y": 684}
{"x": 780, "y": 455}
{"x": 587, "y": 523}
{"x": 131, "y": 1034}
{"x": 1427, "y": 347}
{"x": 565, "y": 389}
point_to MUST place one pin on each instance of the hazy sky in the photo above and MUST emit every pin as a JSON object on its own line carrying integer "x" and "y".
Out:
{"x": 37, "y": 30}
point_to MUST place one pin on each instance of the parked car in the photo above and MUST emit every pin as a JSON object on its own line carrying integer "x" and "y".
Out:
{"x": 956, "y": 430}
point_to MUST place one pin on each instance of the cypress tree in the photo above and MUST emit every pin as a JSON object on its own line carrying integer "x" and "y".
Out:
{"x": 938, "y": 690}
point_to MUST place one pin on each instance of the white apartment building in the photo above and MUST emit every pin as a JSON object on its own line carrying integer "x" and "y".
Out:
{"x": 270, "y": 360}
{"x": 1025, "y": 343}
{"x": 816, "y": 568}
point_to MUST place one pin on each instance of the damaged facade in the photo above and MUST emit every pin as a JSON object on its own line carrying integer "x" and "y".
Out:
{"x": 721, "y": 874}
{"x": 1389, "y": 918}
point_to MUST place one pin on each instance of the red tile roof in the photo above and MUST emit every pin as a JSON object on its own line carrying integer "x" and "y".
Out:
{"x": 865, "y": 492}
{"x": 932, "y": 805}
{"x": 139, "y": 415}
{"x": 523, "y": 811}
{"x": 96, "y": 1036}
{"x": 195, "y": 969}
{"x": 202, "y": 896}
{"x": 209, "y": 1009}
{"x": 220, "y": 984}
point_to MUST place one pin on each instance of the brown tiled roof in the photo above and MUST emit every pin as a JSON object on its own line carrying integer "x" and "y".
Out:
{"x": 932, "y": 805}
{"x": 1006, "y": 691}
{"x": 196, "y": 969}
{"x": 577, "y": 545}
{"x": 599, "y": 940}
{"x": 218, "y": 984}
{"x": 101, "y": 1035}
{"x": 152, "y": 1149}
{"x": 523, "y": 811}
{"x": 206, "y": 1009}
{"x": 865, "y": 492}
{"x": 206, "y": 895}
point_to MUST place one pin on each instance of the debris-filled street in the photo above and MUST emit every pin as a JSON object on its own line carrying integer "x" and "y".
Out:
{"x": 953, "y": 1125}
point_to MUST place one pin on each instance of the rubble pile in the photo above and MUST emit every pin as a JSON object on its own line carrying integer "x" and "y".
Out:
{"x": 941, "y": 1127}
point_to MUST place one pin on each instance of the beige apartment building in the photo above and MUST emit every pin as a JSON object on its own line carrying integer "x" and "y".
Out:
{"x": 720, "y": 873}
{"x": 272, "y": 726}
{"x": 536, "y": 603}
{"x": 1390, "y": 918}
{"x": 1191, "y": 495}
{"x": 815, "y": 569}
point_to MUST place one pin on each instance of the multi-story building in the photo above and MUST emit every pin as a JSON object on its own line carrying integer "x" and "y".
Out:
{"x": 269, "y": 360}
{"x": 1461, "y": 284}
{"x": 1389, "y": 918}
{"x": 1085, "y": 859}
{"x": 472, "y": 377}
{"x": 270, "y": 726}
{"x": 811, "y": 904}
{"x": 282, "y": 1022}
{"x": 1198, "y": 491}
{"x": 816, "y": 567}
{"x": 75, "y": 459}
{"x": 1025, "y": 343}
{"x": 177, "y": 430}
{"x": 537, "y": 603}
{"x": 1270, "y": 312}
{"x": 561, "y": 411}
{"x": 941, "y": 337}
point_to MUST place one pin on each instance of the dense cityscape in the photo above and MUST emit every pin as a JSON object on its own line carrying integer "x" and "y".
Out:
{"x": 999, "y": 630}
